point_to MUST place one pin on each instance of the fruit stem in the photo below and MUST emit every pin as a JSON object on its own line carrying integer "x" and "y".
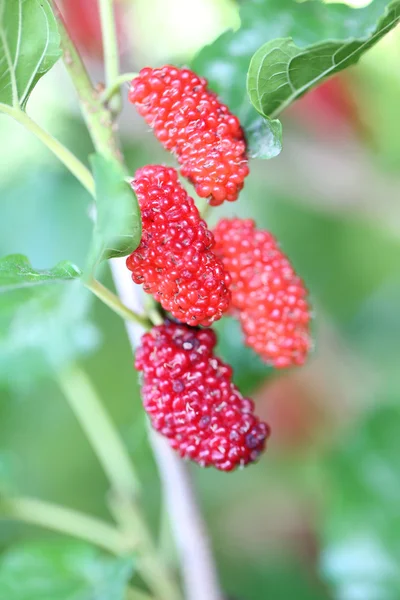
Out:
{"x": 110, "y": 51}
{"x": 67, "y": 521}
{"x": 113, "y": 302}
{"x": 72, "y": 163}
{"x": 99, "y": 429}
{"x": 150, "y": 308}
{"x": 115, "y": 85}
{"x": 205, "y": 211}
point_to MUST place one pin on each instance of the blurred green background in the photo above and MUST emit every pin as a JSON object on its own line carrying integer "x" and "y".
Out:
{"x": 318, "y": 517}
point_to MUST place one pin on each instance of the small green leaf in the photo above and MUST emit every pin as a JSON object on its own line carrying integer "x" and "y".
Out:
{"x": 16, "y": 272}
{"x": 42, "y": 317}
{"x": 264, "y": 138}
{"x": 118, "y": 227}
{"x": 360, "y": 547}
{"x": 29, "y": 47}
{"x": 62, "y": 570}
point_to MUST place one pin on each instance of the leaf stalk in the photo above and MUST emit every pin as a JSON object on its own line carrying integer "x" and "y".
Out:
{"x": 115, "y": 85}
{"x": 67, "y": 521}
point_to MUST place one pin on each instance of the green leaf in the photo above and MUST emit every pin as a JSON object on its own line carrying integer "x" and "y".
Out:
{"x": 42, "y": 317}
{"x": 281, "y": 71}
{"x": 118, "y": 227}
{"x": 29, "y": 47}
{"x": 62, "y": 571}
{"x": 361, "y": 550}
{"x": 16, "y": 272}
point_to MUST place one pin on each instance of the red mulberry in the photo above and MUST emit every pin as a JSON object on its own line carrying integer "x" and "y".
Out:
{"x": 267, "y": 295}
{"x": 190, "y": 398}
{"x": 175, "y": 261}
{"x": 190, "y": 121}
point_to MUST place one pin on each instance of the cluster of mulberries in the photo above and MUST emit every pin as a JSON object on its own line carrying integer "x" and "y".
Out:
{"x": 190, "y": 121}
{"x": 198, "y": 275}
{"x": 190, "y": 398}
{"x": 175, "y": 261}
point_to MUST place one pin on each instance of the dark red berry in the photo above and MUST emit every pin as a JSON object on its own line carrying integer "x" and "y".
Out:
{"x": 190, "y": 121}
{"x": 267, "y": 295}
{"x": 190, "y": 398}
{"x": 175, "y": 261}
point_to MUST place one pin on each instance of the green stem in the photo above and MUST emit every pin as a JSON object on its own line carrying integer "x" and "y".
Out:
{"x": 98, "y": 118}
{"x": 151, "y": 568}
{"x": 99, "y": 429}
{"x": 113, "y": 302}
{"x": 151, "y": 309}
{"x": 67, "y": 521}
{"x": 115, "y": 85}
{"x": 155, "y": 316}
{"x": 72, "y": 163}
{"x": 110, "y": 50}
{"x": 204, "y": 212}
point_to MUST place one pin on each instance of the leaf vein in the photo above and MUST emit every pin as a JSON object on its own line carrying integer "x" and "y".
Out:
{"x": 39, "y": 62}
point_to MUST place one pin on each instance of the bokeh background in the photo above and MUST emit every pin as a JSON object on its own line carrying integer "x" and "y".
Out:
{"x": 318, "y": 517}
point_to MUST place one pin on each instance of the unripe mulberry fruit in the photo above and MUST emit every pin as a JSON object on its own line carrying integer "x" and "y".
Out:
{"x": 190, "y": 398}
{"x": 190, "y": 121}
{"x": 267, "y": 296}
{"x": 175, "y": 260}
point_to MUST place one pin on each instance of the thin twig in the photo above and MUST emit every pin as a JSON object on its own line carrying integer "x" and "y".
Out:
{"x": 115, "y": 85}
{"x": 196, "y": 559}
{"x": 194, "y": 549}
